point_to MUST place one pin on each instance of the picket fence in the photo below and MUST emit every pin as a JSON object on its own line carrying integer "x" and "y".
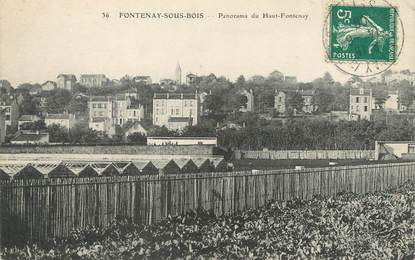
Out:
{"x": 306, "y": 154}
{"x": 36, "y": 210}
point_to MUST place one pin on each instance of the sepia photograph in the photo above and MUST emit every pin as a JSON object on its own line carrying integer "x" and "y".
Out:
{"x": 194, "y": 129}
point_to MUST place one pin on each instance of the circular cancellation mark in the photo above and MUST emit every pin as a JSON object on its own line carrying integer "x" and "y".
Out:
{"x": 362, "y": 37}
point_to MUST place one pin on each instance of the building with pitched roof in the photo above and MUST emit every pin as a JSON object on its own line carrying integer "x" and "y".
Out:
{"x": 66, "y": 81}
{"x": 30, "y": 137}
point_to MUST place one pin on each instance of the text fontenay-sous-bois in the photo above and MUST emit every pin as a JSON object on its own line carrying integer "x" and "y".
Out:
{"x": 201, "y": 15}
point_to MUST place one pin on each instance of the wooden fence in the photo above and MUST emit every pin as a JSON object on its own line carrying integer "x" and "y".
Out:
{"x": 306, "y": 154}
{"x": 44, "y": 209}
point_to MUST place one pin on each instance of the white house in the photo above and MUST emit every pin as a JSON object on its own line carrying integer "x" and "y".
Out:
{"x": 64, "y": 120}
{"x": 175, "y": 110}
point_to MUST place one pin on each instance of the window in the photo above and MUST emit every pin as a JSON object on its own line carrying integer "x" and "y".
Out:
{"x": 134, "y": 113}
{"x": 365, "y": 99}
{"x": 280, "y": 99}
{"x": 411, "y": 148}
{"x": 357, "y": 99}
{"x": 94, "y": 105}
{"x": 99, "y": 105}
{"x": 357, "y": 108}
{"x": 105, "y": 105}
{"x": 177, "y": 111}
{"x": 365, "y": 108}
{"x": 7, "y": 117}
{"x": 172, "y": 111}
{"x": 157, "y": 111}
{"x": 101, "y": 113}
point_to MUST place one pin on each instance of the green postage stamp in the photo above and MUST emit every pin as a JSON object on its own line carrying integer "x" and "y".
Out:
{"x": 362, "y": 33}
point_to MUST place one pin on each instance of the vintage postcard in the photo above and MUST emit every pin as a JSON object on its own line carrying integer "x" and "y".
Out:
{"x": 197, "y": 129}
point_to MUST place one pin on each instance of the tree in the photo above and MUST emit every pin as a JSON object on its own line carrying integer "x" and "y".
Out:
{"x": 33, "y": 126}
{"x": 78, "y": 105}
{"x": 295, "y": 101}
{"x": 322, "y": 100}
{"x": 380, "y": 95}
{"x": 240, "y": 82}
{"x": 137, "y": 138}
{"x": 162, "y": 131}
{"x": 28, "y": 105}
{"x": 407, "y": 96}
{"x": 276, "y": 76}
{"x": 57, "y": 100}
{"x": 58, "y": 134}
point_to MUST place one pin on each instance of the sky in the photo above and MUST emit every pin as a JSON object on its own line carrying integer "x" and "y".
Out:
{"x": 40, "y": 39}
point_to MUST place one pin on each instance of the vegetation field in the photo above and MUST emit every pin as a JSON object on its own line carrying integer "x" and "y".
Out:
{"x": 259, "y": 164}
{"x": 371, "y": 226}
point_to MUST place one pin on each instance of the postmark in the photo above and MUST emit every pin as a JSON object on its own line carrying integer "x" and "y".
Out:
{"x": 363, "y": 38}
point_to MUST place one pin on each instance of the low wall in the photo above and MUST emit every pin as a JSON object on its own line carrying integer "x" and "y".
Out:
{"x": 111, "y": 149}
{"x": 307, "y": 155}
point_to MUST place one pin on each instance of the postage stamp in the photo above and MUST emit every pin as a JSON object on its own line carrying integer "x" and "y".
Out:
{"x": 362, "y": 33}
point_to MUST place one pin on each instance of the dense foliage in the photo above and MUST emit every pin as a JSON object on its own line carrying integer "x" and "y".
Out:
{"x": 314, "y": 134}
{"x": 372, "y": 226}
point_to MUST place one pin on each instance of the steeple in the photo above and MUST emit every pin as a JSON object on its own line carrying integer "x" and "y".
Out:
{"x": 178, "y": 74}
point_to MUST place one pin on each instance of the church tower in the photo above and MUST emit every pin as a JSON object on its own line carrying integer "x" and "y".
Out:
{"x": 178, "y": 74}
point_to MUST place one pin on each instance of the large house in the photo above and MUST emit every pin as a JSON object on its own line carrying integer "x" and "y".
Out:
{"x": 93, "y": 80}
{"x": 107, "y": 111}
{"x": 66, "y": 81}
{"x": 280, "y": 102}
{"x": 249, "y": 98}
{"x": 392, "y": 102}
{"x": 65, "y": 120}
{"x": 11, "y": 110}
{"x": 175, "y": 110}
{"x": 361, "y": 103}
{"x": 308, "y": 106}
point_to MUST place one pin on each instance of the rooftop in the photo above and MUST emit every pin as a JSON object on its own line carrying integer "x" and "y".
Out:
{"x": 98, "y": 119}
{"x": 28, "y": 118}
{"x": 58, "y": 116}
{"x": 33, "y": 136}
{"x": 175, "y": 96}
{"x": 360, "y": 92}
{"x": 67, "y": 76}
